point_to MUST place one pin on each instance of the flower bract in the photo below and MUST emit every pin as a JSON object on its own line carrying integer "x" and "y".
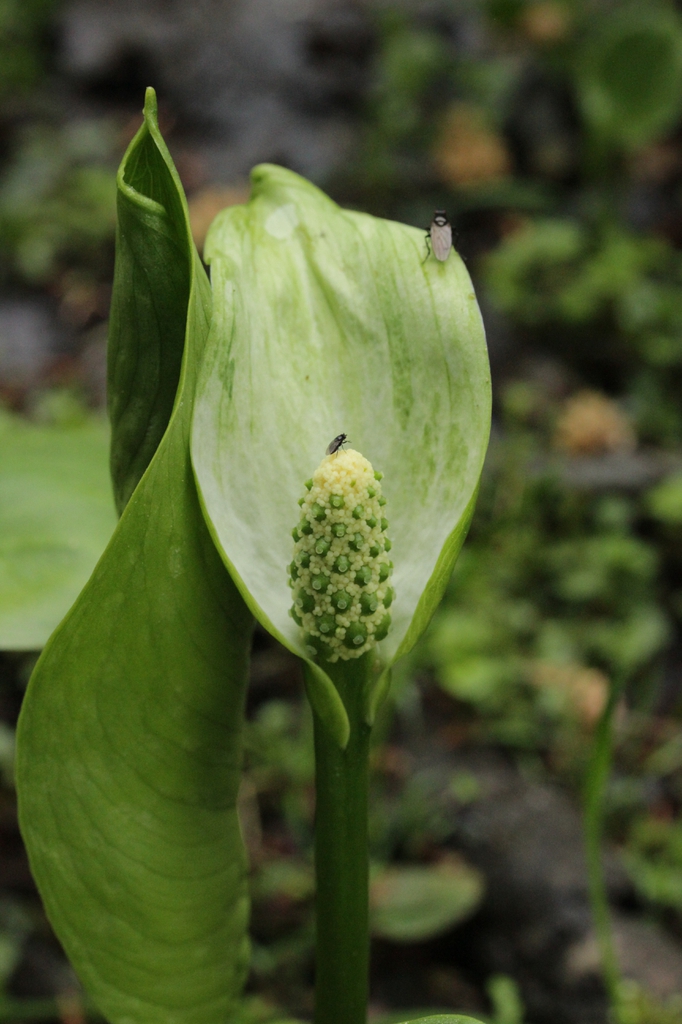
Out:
{"x": 327, "y": 320}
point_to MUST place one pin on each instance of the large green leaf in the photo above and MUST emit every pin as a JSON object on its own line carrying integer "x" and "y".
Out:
{"x": 129, "y": 741}
{"x": 326, "y": 321}
{"x": 56, "y": 516}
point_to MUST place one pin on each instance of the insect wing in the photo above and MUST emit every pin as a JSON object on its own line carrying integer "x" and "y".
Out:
{"x": 334, "y": 445}
{"x": 441, "y": 240}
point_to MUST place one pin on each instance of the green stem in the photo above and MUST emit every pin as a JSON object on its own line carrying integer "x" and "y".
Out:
{"x": 341, "y": 857}
{"x": 598, "y": 772}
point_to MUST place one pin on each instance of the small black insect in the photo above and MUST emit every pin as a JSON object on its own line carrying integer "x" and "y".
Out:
{"x": 439, "y": 237}
{"x": 337, "y": 443}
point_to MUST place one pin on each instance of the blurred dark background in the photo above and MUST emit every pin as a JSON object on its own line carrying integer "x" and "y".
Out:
{"x": 551, "y": 132}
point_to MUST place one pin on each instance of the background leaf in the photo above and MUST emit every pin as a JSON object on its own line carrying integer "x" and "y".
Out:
{"x": 129, "y": 747}
{"x": 410, "y": 903}
{"x": 444, "y": 1018}
{"x": 56, "y": 517}
{"x": 630, "y": 75}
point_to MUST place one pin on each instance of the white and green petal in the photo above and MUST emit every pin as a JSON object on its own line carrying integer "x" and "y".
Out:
{"x": 327, "y": 320}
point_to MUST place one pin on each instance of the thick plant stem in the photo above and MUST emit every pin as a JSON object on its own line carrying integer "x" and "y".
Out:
{"x": 341, "y": 858}
{"x": 598, "y": 772}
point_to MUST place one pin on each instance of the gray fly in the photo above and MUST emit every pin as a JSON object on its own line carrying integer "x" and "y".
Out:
{"x": 439, "y": 236}
{"x": 337, "y": 443}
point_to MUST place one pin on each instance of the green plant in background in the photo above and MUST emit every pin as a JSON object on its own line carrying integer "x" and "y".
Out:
{"x": 410, "y": 69}
{"x": 23, "y": 25}
{"x": 609, "y": 293}
{"x": 58, "y": 201}
{"x": 629, "y": 76}
{"x": 541, "y": 636}
{"x": 130, "y": 735}
{"x": 507, "y": 1004}
{"x": 602, "y": 284}
{"x": 654, "y": 860}
{"x": 55, "y": 520}
{"x": 533, "y": 627}
{"x": 637, "y": 1007}
{"x": 411, "y": 903}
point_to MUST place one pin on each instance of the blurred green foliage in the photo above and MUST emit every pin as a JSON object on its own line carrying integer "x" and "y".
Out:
{"x": 611, "y": 294}
{"x": 551, "y": 597}
{"x": 504, "y": 994}
{"x": 654, "y": 860}
{"x": 638, "y": 1007}
{"x": 58, "y": 201}
{"x": 23, "y": 28}
{"x": 630, "y": 74}
{"x": 411, "y": 903}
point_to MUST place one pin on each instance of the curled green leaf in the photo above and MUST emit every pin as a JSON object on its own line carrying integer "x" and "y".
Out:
{"x": 147, "y": 324}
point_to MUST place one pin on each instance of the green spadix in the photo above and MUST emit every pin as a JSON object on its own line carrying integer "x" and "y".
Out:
{"x": 328, "y": 321}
